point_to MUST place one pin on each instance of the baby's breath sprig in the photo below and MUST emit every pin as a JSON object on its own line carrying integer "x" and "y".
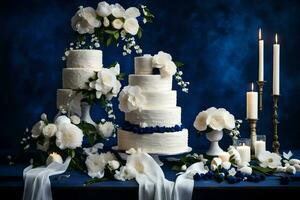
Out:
{"x": 178, "y": 77}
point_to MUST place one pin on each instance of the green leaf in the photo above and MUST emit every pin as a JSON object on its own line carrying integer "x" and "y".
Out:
{"x": 121, "y": 76}
{"x": 176, "y": 168}
{"x": 139, "y": 33}
{"x": 111, "y": 32}
{"x": 113, "y": 64}
{"x": 95, "y": 180}
{"x": 265, "y": 171}
{"x": 116, "y": 35}
{"x": 109, "y": 40}
{"x": 178, "y": 64}
{"x": 71, "y": 153}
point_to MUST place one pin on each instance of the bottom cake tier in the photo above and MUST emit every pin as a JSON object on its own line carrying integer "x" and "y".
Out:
{"x": 155, "y": 143}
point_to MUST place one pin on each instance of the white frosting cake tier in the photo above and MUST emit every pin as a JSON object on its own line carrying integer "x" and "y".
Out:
{"x": 143, "y": 65}
{"x": 157, "y": 143}
{"x": 67, "y": 98}
{"x": 166, "y": 117}
{"x": 84, "y": 58}
{"x": 160, "y": 99}
{"x": 74, "y": 78}
{"x": 150, "y": 83}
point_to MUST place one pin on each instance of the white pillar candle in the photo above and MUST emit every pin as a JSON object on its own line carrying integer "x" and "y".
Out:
{"x": 260, "y": 147}
{"x": 252, "y": 101}
{"x": 225, "y": 156}
{"x": 244, "y": 152}
{"x": 260, "y": 57}
{"x": 276, "y": 60}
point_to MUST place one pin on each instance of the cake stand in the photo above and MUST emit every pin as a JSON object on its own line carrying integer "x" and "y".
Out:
{"x": 155, "y": 156}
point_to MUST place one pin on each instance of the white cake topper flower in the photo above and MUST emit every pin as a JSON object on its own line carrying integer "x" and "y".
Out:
{"x": 131, "y": 98}
{"x": 85, "y": 20}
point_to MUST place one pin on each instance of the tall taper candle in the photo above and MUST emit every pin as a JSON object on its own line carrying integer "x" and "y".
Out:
{"x": 276, "y": 60}
{"x": 260, "y": 57}
{"x": 252, "y": 101}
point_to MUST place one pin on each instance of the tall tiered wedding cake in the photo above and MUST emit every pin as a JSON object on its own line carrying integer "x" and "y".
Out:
{"x": 81, "y": 65}
{"x": 153, "y": 120}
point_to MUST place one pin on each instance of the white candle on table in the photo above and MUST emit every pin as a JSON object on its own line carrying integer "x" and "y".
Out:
{"x": 244, "y": 152}
{"x": 276, "y": 60}
{"x": 260, "y": 147}
{"x": 260, "y": 57}
{"x": 252, "y": 101}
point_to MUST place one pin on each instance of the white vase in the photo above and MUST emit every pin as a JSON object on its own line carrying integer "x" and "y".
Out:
{"x": 85, "y": 113}
{"x": 214, "y": 137}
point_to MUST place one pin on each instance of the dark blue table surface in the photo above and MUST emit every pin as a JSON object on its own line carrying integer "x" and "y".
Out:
{"x": 11, "y": 177}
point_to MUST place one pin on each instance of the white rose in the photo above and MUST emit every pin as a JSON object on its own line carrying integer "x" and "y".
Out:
{"x": 229, "y": 118}
{"x": 103, "y": 9}
{"x": 54, "y": 157}
{"x": 131, "y": 98}
{"x": 117, "y": 24}
{"x": 131, "y": 26}
{"x": 95, "y": 164}
{"x": 37, "y": 129}
{"x": 105, "y": 82}
{"x": 62, "y": 120}
{"x": 200, "y": 122}
{"x": 49, "y": 130}
{"x": 160, "y": 59}
{"x": 115, "y": 91}
{"x": 246, "y": 170}
{"x": 69, "y": 136}
{"x": 169, "y": 69}
{"x": 75, "y": 119}
{"x": 105, "y": 22}
{"x": 114, "y": 164}
{"x": 217, "y": 121}
{"x": 117, "y": 10}
{"x": 106, "y": 130}
{"x": 85, "y": 20}
{"x": 132, "y": 12}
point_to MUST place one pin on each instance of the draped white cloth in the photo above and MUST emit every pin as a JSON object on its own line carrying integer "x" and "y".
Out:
{"x": 37, "y": 183}
{"x": 152, "y": 183}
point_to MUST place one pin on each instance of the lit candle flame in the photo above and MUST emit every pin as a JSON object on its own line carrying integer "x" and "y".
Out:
{"x": 259, "y": 33}
{"x": 252, "y": 87}
{"x": 276, "y": 39}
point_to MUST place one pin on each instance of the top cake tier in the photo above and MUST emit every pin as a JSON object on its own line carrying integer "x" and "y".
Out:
{"x": 143, "y": 65}
{"x": 84, "y": 58}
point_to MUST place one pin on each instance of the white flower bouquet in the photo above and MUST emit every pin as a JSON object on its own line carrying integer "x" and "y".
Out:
{"x": 217, "y": 119}
{"x": 109, "y": 24}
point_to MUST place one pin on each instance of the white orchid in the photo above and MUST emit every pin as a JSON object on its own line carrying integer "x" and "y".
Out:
{"x": 131, "y": 98}
{"x": 37, "y": 129}
{"x": 49, "y": 130}
{"x": 68, "y": 136}
{"x": 54, "y": 157}
{"x": 268, "y": 159}
{"x": 131, "y": 26}
{"x": 103, "y": 9}
{"x": 85, "y": 20}
{"x": 117, "y": 10}
{"x": 106, "y": 129}
{"x": 96, "y": 163}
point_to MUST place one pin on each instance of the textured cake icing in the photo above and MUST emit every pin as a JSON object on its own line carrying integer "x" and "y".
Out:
{"x": 80, "y": 66}
{"x": 153, "y": 119}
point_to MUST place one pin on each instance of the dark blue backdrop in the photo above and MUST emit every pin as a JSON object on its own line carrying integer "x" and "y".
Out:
{"x": 217, "y": 41}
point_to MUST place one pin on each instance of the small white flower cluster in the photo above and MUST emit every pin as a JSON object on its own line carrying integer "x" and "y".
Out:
{"x": 129, "y": 44}
{"x": 290, "y": 165}
{"x": 180, "y": 82}
{"x": 215, "y": 119}
{"x": 110, "y": 111}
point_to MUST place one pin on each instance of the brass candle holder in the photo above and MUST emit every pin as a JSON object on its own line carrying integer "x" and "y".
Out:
{"x": 260, "y": 93}
{"x": 252, "y": 124}
{"x": 276, "y": 144}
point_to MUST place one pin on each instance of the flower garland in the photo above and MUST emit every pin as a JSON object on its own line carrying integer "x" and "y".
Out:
{"x": 107, "y": 25}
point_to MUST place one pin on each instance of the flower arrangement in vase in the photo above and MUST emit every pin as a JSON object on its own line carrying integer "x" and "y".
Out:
{"x": 214, "y": 122}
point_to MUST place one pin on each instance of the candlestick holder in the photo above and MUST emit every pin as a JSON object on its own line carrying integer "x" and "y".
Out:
{"x": 276, "y": 144}
{"x": 260, "y": 92}
{"x": 252, "y": 124}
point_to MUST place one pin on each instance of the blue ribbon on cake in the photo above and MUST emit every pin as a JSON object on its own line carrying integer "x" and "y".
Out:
{"x": 149, "y": 130}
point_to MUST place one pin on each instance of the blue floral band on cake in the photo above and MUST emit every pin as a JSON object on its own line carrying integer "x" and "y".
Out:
{"x": 148, "y": 130}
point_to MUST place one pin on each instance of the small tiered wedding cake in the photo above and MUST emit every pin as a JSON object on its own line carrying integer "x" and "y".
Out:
{"x": 81, "y": 65}
{"x": 153, "y": 120}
